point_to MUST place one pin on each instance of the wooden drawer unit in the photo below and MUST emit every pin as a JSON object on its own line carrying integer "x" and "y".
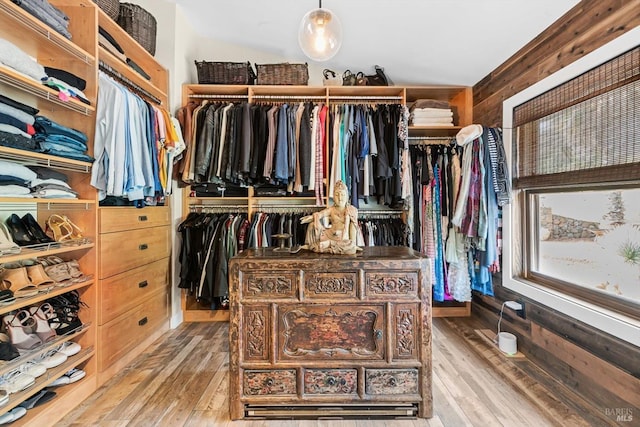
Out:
{"x": 128, "y": 330}
{"x": 124, "y": 291}
{"x": 308, "y": 330}
{"x": 125, "y": 250}
{"x": 123, "y": 218}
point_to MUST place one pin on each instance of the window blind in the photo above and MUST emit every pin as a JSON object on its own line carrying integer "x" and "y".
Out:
{"x": 585, "y": 131}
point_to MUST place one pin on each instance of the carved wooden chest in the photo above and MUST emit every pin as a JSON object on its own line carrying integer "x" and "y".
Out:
{"x": 320, "y": 335}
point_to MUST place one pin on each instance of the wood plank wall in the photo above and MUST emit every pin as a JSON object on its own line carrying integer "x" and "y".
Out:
{"x": 586, "y": 27}
{"x": 600, "y": 367}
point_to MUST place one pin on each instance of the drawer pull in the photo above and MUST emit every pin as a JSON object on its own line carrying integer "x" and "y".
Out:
{"x": 269, "y": 382}
{"x": 331, "y": 381}
{"x": 393, "y": 382}
{"x": 378, "y": 334}
{"x": 143, "y": 321}
{"x": 143, "y": 284}
{"x": 142, "y": 218}
{"x": 143, "y": 246}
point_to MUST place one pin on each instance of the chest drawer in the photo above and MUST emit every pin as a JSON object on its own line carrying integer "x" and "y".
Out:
{"x": 124, "y": 218}
{"x": 391, "y": 381}
{"x": 122, "y": 292}
{"x": 331, "y": 381}
{"x": 269, "y": 382}
{"x": 125, "y": 250}
{"x": 125, "y": 332}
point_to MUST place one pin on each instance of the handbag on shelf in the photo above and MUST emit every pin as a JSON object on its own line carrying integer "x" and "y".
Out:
{"x": 348, "y": 78}
{"x": 378, "y": 79}
{"x": 331, "y": 78}
{"x": 361, "y": 79}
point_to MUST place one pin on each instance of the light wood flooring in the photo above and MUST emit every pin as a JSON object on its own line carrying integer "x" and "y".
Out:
{"x": 182, "y": 380}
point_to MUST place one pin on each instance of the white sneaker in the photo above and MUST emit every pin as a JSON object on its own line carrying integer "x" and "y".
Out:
{"x": 16, "y": 381}
{"x": 69, "y": 348}
{"x": 51, "y": 359}
{"x": 34, "y": 369}
{"x": 14, "y": 414}
{"x": 69, "y": 377}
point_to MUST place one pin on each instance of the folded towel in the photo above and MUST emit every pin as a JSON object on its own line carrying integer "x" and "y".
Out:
{"x": 13, "y": 190}
{"x": 12, "y": 56}
{"x": 429, "y": 103}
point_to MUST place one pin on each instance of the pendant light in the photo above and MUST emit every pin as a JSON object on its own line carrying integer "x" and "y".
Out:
{"x": 320, "y": 34}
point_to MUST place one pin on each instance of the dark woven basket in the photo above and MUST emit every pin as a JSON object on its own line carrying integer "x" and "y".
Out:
{"x": 110, "y": 7}
{"x": 225, "y": 73}
{"x": 139, "y": 24}
{"x": 283, "y": 74}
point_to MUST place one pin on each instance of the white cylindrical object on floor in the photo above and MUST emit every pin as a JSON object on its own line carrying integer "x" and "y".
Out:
{"x": 508, "y": 343}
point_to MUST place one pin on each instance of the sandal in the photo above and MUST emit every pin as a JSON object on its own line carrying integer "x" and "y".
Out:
{"x": 17, "y": 281}
{"x": 39, "y": 278}
{"x": 62, "y": 231}
{"x": 21, "y": 327}
{"x": 41, "y": 315}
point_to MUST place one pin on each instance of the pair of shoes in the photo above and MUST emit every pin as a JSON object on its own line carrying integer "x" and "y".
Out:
{"x": 69, "y": 377}
{"x": 32, "y": 368}
{"x": 25, "y": 278}
{"x": 66, "y": 307}
{"x": 26, "y": 231}
{"x": 51, "y": 359}
{"x": 43, "y": 396}
{"x": 7, "y": 245}
{"x": 66, "y": 272}
{"x": 69, "y": 348}
{"x": 21, "y": 328}
{"x": 16, "y": 381}
{"x": 13, "y": 415}
{"x": 64, "y": 230}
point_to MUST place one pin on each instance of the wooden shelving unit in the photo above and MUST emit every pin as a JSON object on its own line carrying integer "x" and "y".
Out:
{"x": 459, "y": 97}
{"x": 77, "y": 56}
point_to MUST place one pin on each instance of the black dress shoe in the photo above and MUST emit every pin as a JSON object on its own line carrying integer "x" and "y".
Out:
{"x": 19, "y": 233}
{"x": 35, "y": 230}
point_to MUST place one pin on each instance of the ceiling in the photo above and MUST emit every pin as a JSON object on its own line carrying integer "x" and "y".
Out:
{"x": 454, "y": 42}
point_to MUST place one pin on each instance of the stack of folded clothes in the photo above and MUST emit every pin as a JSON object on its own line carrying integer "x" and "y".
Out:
{"x": 431, "y": 112}
{"x": 18, "y": 180}
{"x": 15, "y": 180}
{"x": 15, "y": 58}
{"x": 50, "y": 184}
{"x": 16, "y": 125}
{"x": 67, "y": 84}
{"x": 50, "y": 15}
{"x": 59, "y": 140}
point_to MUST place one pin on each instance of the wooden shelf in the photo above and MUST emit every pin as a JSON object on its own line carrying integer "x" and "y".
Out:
{"x": 22, "y": 302}
{"x": 16, "y": 22}
{"x": 39, "y": 159}
{"x": 17, "y": 80}
{"x": 34, "y": 253}
{"x": 133, "y": 49}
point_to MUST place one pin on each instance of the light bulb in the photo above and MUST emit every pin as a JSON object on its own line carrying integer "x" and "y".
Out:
{"x": 320, "y": 34}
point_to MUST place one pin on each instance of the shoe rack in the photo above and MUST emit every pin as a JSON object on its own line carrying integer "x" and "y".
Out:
{"x": 79, "y": 57}
{"x": 459, "y": 97}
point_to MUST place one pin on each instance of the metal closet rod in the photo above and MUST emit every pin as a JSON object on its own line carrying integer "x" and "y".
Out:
{"x": 354, "y": 97}
{"x": 218, "y": 96}
{"x": 289, "y": 97}
{"x": 122, "y": 79}
{"x": 219, "y": 207}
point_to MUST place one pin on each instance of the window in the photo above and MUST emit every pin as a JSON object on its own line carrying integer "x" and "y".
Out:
{"x": 576, "y": 153}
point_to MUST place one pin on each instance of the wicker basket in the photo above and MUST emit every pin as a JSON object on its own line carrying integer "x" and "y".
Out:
{"x": 110, "y": 7}
{"x": 139, "y": 24}
{"x": 225, "y": 73}
{"x": 283, "y": 74}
